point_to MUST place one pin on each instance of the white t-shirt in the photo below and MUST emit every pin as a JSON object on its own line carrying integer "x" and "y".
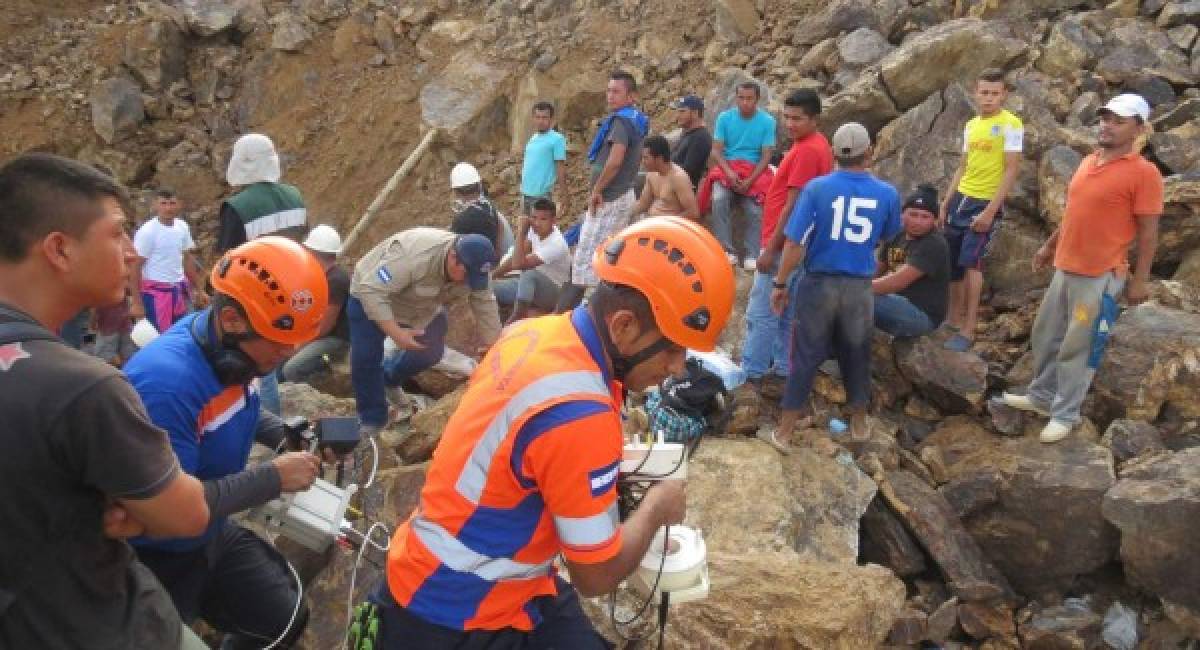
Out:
{"x": 162, "y": 247}
{"x": 554, "y": 253}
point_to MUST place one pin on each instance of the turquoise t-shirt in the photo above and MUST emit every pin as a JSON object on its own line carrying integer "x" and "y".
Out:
{"x": 537, "y": 171}
{"x": 745, "y": 138}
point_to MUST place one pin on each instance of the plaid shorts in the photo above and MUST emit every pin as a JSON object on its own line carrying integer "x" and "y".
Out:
{"x": 602, "y": 224}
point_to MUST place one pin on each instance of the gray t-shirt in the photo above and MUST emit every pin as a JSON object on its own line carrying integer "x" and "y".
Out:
{"x": 73, "y": 435}
{"x": 622, "y": 132}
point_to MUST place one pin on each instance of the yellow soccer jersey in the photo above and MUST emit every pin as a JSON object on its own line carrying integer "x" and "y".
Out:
{"x": 985, "y": 141}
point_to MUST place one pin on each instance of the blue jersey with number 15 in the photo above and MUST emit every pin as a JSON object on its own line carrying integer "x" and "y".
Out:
{"x": 840, "y": 218}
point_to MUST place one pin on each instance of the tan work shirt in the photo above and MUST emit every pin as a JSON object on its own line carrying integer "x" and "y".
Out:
{"x": 403, "y": 279}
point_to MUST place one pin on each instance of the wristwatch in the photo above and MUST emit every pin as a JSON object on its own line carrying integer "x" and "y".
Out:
{"x": 779, "y": 285}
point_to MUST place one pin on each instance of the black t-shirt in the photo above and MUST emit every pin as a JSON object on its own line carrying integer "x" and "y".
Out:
{"x": 691, "y": 153}
{"x": 339, "y": 293}
{"x": 931, "y": 256}
{"x": 74, "y": 434}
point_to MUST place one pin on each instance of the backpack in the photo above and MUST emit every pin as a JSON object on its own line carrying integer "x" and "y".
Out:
{"x": 682, "y": 405}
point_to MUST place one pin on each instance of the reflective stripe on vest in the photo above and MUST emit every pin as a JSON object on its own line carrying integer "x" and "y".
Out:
{"x": 585, "y": 532}
{"x": 457, "y": 556}
{"x": 582, "y": 383}
{"x": 274, "y": 222}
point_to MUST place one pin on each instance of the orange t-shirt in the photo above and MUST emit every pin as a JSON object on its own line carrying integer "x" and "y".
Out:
{"x": 1103, "y": 204}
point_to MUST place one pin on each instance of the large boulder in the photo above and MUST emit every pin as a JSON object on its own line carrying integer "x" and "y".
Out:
{"x": 953, "y": 51}
{"x": 426, "y": 428}
{"x": 1071, "y": 47}
{"x": 468, "y": 101}
{"x": 1054, "y": 173}
{"x": 968, "y": 573}
{"x": 847, "y": 15}
{"x": 1152, "y": 362}
{"x": 1009, "y": 260}
{"x": 1135, "y": 49}
{"x": 862, "y": 47}
{"x": 206, "y": 18}
{"x": 156, "y": 53}
{"x": 1063, "y": 627}
{"x": 291, "y": 31}
{"x": 953, "y": 381}
{"x": 925, "y": 144}
{"x": 813, "y": 504}
{"x": 865, "y": 101}
{"x": 1042, "y": 525}
{"x": 117, "y": 109}
{"x": 1129, "y": 439}
{"x": 1179, "y": 228}
{"x": 1156, "y": 505}
{"x": 737, "y": 20}
{"x": 776, "y": 600}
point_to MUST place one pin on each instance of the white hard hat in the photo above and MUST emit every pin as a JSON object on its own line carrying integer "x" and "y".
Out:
{"x": 324, "y": 239}
{"x": 464, "y": 174}
{"x": 253, "y": 160}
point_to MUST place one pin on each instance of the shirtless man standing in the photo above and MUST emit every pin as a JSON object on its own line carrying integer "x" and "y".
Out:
{"x": 668, "y": 190}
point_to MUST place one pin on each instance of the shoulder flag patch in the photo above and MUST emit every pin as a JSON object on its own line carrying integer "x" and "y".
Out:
{"x": 602, "y": 480}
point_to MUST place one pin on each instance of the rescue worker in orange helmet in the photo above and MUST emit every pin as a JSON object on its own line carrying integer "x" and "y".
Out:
{"x": 199, "y": 382}
{"x": 527, "y": 466}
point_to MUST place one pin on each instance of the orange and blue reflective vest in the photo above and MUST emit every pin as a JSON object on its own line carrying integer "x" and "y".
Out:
{"x": 526, "y": 469}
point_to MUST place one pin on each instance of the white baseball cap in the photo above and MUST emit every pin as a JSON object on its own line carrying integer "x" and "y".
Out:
{"x": 1128, "y": 105}
{"x": 850, "y": 140}
{"x": 324, "y": 239}
{"x": 253, "y": 160}
{"x": 464, "y": 174}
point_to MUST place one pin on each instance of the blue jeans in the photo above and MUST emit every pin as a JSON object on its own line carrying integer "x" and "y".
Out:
{"x": 722, "y": 215}
{"x": 369, "y": 372}
{"x": 767, "y": 335}
{"x": 897, "y": 316}
{"x": 837, "y": 316}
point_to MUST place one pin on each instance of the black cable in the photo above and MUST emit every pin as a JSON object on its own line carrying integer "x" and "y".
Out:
{"x": 663, "y": 607}
{"x": 612, "y": 597}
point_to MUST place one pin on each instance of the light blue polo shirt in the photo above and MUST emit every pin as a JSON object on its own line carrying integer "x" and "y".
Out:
{"x": 744, "y": 139}
{"x": 541, "y": 152}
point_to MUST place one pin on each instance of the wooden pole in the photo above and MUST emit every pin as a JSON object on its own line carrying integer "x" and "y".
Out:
{"x": 381, "y": 198}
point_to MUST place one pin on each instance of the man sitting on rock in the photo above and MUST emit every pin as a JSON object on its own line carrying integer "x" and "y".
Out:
{"x": 668, "y": 190}
{"x": 1114, "y": 199}
{"x": 543, "y": 259}
{"x": 911, "y": 291}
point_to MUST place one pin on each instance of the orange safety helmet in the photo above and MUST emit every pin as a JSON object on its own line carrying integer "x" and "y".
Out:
{"x": 280, "y": 285}
{"x": 681, "y": 269}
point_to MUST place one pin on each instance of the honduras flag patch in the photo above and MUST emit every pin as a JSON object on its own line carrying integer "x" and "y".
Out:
{"x": 602, "y": 480}
{"x": 384, "y": 276}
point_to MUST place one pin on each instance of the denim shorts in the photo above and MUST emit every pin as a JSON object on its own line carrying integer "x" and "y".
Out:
{"x": 968, "y": 248}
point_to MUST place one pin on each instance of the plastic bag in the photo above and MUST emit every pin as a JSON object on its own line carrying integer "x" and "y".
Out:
{"x": 722, "y": 366}
{"x": 456, "y": 363}
{"x": 1120, "y": 627}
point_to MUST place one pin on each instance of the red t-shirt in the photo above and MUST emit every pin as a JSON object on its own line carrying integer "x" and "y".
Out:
{"x": 808, "y": 158}
{"x": 1103, "y": 204}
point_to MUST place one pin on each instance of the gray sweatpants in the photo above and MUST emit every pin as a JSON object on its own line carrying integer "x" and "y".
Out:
{"x": 1069, "y": 336}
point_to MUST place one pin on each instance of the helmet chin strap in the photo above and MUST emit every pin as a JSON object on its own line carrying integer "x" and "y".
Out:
{"x": 622, "y": 365}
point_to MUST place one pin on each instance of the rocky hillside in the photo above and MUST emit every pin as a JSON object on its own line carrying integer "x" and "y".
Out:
{"x": 953, "y": 526}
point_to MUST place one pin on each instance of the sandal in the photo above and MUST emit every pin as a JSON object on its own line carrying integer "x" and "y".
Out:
{"x": 768, "y": 436}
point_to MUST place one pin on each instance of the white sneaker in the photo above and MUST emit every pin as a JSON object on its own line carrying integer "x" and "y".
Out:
{"x": 1054, "y": 431}
{"x": 750, "y": 264}
{"x": 732, "y": 258}
{"x": 1023, "y": 403}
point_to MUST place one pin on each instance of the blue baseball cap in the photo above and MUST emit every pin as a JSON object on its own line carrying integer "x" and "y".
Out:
{"x": 477, "y": 254}
{"x": 688, "y": 101}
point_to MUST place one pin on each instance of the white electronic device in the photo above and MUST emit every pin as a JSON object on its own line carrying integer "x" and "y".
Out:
{"x": 654, "y": 459}
{"x": 684, "y": 566}
{"x": 312, "y": 518}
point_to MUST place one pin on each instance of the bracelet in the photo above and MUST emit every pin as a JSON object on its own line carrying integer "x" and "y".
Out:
{"x": 779, "y": 285}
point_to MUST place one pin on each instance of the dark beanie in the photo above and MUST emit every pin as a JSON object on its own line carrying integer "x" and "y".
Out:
{"x": 925, "y": 198}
